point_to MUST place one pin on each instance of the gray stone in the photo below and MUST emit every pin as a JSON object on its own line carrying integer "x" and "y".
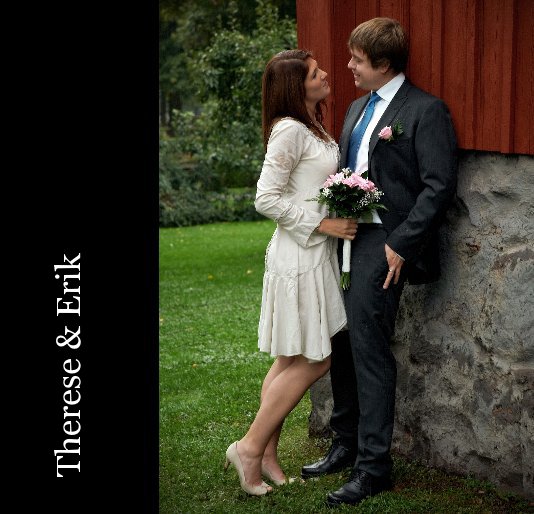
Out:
{"x": 465, "y": 344}
{"x": 321, "y": 398}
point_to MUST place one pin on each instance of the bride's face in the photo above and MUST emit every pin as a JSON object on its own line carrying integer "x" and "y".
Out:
{"x": 317, "y": 87}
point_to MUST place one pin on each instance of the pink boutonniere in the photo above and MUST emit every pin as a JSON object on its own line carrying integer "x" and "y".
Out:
{"x": 389, "y": 133}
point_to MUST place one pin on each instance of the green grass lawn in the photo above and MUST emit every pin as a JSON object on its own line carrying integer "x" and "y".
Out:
{"x": 210, "y": 379}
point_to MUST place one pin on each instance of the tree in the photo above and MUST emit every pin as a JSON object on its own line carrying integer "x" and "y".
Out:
{"x": 229, "y": 78}
{"x": 215, "y": 137}
{"x": 189, "y": 26}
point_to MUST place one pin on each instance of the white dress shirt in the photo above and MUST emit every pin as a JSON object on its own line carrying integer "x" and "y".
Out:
{"x": 386, "y": 93}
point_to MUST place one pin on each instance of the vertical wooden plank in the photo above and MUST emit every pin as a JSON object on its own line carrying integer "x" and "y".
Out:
{"x": 437, "y": 47}
{"x": 345, "y": 91}
{"x": 314, "y": 29}
{"x": 420, "y": 62}
{"x": 508, "y": 67}
{"x": 467, "y": 127}
{"x": 523, "y": 93}
{"x": 491, "y": 74}
{"x": 366, "y": 9}
{"x": 451, "y": 60}
{"x": 396, "y": 9}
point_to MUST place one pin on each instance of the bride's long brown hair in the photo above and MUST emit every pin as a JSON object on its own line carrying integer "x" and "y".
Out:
{"x": 284, "y": 93}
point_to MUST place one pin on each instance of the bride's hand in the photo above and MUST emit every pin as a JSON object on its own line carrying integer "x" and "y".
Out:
{"x": 344, "y": 228}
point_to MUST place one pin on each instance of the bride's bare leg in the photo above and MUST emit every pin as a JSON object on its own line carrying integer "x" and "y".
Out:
{"x": 285, "y": 390}
{"x": 270, "y": 456}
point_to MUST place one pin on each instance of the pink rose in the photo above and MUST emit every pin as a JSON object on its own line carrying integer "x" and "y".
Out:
{"x": 334, "y": 179}
{"x": 385, "y": 133}
{"x": 356, "y": 180}
{"x": 368, "y": 186}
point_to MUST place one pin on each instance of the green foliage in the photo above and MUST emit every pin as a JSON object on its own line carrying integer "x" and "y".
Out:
{"x": 218, "y": 147}
{"x": 230, "y": 149}
{"x": 210, "y": 381}
{"x": 190, "y": 192}
{"x": 230, "y": 69}
{"x": 226, "y": 135}
{"x": 192, "y": 206}
{"x": 190, "y": 26}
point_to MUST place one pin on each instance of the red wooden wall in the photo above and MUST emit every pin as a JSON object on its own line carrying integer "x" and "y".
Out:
{"x": 478, "y": 55}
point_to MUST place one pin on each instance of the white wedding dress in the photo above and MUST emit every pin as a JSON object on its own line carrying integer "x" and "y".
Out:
{"x": 302, "y": 302}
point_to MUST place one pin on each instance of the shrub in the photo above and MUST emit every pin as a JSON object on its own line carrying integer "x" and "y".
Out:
{"x": 225, "y": 136}
{"x": 190, "y": 193}
{"x": 193, "y": 206}
{"x": 218, "y": 149}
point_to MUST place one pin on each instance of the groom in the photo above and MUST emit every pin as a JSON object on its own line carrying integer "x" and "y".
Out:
{"x": 404, "y": 138}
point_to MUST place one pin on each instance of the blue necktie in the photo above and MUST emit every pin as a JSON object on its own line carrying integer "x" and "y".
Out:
{"x": 359, "y": 130}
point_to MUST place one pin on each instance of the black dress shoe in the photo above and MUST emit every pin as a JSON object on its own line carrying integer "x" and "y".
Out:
{"x": 338, "y": 458}
{"x": 361, "y": 485}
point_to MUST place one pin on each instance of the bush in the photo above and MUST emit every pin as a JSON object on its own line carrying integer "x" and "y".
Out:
{"x": 193, "y": 206}
{"x": 210, "y": 163}
{"x": 225, "y": 137}
{"x": 190, "y": 193}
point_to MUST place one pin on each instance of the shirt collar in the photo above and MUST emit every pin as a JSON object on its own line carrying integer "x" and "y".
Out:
{"x": 389, "y": 90}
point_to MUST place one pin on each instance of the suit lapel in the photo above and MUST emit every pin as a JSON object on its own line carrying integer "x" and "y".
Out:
{"x": 389, "y": 114}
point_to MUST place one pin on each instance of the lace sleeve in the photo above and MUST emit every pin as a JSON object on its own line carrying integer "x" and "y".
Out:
{"x": 284, "y": 151}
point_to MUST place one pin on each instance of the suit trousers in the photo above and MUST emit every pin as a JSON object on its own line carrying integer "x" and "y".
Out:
{"x": 363, "y": 368}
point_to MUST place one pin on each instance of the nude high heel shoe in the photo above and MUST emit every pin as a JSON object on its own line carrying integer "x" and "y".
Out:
{"x": 232, "y": 457}
{"x": 267, "y": 474}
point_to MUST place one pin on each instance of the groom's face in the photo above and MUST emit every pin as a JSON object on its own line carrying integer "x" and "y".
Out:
{"x": 365, "y": 76}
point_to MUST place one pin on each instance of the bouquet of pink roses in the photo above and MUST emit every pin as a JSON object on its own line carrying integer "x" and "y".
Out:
{"x": 349, "y": 195}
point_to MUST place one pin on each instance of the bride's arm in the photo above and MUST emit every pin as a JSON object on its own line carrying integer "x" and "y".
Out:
{"x": 284, "y": 151}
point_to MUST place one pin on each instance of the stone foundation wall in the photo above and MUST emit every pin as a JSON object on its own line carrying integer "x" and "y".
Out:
{"x": 465, "y": 344}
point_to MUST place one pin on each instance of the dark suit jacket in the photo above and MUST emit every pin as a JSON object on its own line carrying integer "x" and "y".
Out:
{"x": 416, "y": 171}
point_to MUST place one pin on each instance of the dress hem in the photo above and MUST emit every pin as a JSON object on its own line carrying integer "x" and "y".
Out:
{"x": 310, "y": 359}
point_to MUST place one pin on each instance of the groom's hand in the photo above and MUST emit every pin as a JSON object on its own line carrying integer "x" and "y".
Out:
{"x": 395, "y": 263}
{"x": 344, "y": 228}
